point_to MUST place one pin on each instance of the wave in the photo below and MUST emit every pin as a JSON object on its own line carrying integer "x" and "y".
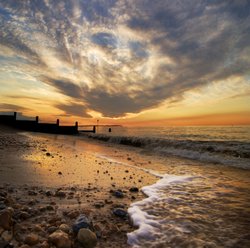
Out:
{"x": 150, "y": 225}
{"x": 232, "y": 153}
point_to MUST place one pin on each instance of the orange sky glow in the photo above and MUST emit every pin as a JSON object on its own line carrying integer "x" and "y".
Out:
{"x": 149, "y": 63}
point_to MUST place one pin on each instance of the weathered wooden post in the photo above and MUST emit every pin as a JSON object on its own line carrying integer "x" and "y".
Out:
{"x": 57, "y": 122}
{"x": 76, "y": 125}
{"x": 37, "y": 119}
{"x": 94, "y": 129}
{"x": 15, "y": 116}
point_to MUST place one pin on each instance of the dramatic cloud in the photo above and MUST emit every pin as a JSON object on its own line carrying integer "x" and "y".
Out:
{"x": 123, "y": 56}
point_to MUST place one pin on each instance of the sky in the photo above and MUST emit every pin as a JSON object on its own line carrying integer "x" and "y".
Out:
{"x": 130, "y": 62}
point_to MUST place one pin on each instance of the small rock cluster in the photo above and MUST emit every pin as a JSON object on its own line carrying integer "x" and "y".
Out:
{"x": 31, "y": 217}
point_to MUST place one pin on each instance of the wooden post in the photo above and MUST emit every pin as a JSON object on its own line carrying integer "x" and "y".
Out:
{"x": 14, "y": 116}
{"x": 94, "y": 129}
{"x": 37, "y": 119}
{"x": 76, "y": 125}
{"x": 57, "y": 122}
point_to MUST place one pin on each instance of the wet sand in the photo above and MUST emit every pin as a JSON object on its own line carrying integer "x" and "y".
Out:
{"x": 35, "y": 167}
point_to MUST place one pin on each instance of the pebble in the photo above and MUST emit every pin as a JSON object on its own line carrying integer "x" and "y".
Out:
{"x": 52, "y": 229}
{"x": 99, "y": 204}
{"x": 31, "y": 239}
{"x": 134, "y": 189}
{"x": 87, "y": 238}
{"x": 120, "y": 213}
{"x": 60, "y": 239}
{"x": 48, "y": 193}
{"x": 5, "y": 219}
{"x": 65, "y": 228}
{"x": 24, "y": 246}
{"x": 60, "y": 194}
{"x": 81, "y": 222}
{"x": 7, "y": 236}
{"x": 118, "y": 194}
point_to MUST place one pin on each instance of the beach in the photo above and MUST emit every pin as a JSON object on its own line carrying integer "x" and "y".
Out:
{"x": 132, "y": 197}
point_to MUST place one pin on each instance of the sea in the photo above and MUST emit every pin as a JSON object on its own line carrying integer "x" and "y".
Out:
{"x": 201, "y": 197}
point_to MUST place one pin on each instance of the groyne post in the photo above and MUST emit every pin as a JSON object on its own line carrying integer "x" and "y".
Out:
{"x": 57, "y": 122}
{"x": 15, "y": 116}
{"x": 94, "y": 129}
{"x": 37, "y": 119}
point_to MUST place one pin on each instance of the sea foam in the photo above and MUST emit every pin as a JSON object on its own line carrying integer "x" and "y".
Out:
{"x": 148, "y": 224}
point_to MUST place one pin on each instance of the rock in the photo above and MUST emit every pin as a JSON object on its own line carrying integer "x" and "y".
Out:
{"x": 7, "y": 236}
{"x": 60, "y": 239}
{"x": 2, "y": 206}
{"x": 134, "y": 189}
{"x": 87, "y": 238}
{"x": 5, "y": 219}
{"x": 118, "y": 194}
{"x": 38, "y": 228}
{"x": 48, "y": 154}
{"x": 64, "y": 228}
{"x": 48, "y": 193}
{"x": 24, "y": 246}
{"x": 99, "y": 204}
{"x": 31, "y": 239}
{"x": 44, "y": 244}
{"x": 50, "y": 208}
{"x": 81, "y": 222}
{"x": 23, "y": 215}
{"x": 73, "y": 214}
{"x": 60, "y": 194}
{"x": 120, "y": 213}
{"x": 59, "y": 173}
{"x": 52, "y": 229}
{"x": 32, "y": 192}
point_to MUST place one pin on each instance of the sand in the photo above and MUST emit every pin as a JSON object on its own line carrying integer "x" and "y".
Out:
{"x": 35, "y": 167}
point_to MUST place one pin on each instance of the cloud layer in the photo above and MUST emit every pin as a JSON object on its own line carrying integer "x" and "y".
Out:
{"x": 119, "y": 57}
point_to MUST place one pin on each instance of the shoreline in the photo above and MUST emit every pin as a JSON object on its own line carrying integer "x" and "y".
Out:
{"x": 35, "y": 168}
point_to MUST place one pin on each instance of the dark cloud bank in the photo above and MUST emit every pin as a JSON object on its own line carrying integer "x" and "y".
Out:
{"x": 205, "y": 40}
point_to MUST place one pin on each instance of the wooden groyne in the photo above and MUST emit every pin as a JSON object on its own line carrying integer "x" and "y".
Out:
{"x": 35, "y": 126}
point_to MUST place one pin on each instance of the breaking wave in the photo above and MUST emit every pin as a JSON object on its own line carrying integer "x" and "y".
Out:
{"x": 232, "y": 153}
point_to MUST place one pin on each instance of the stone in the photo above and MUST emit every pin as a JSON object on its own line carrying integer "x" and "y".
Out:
{"x": 48, "y": 154}
{"x": 87, "y": 238}
{"x": 81, "y": 222}
{"x": 52, "y": 229}
{"x": 120, "y": 213}
{"x": 73, "y": 214}
{"x": 134, "y": 189}
{"x": 99, "y": 204}
{"x": 31, "y": 239}
{"x": 48, "y": 193}
{"x": 60, "y": 239}
{"x": 2, "y": 206}
{"x": 38, "y": 228}
{"x": 118, "y": 194}
{"x": 60, "y": 194}
{"x": 7, "y": 236}
{"x": 5, "y": 219}
{"x": 44, "y": 244}
{"x": 64, "y": 228}
{"x": 24, "y": 246}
